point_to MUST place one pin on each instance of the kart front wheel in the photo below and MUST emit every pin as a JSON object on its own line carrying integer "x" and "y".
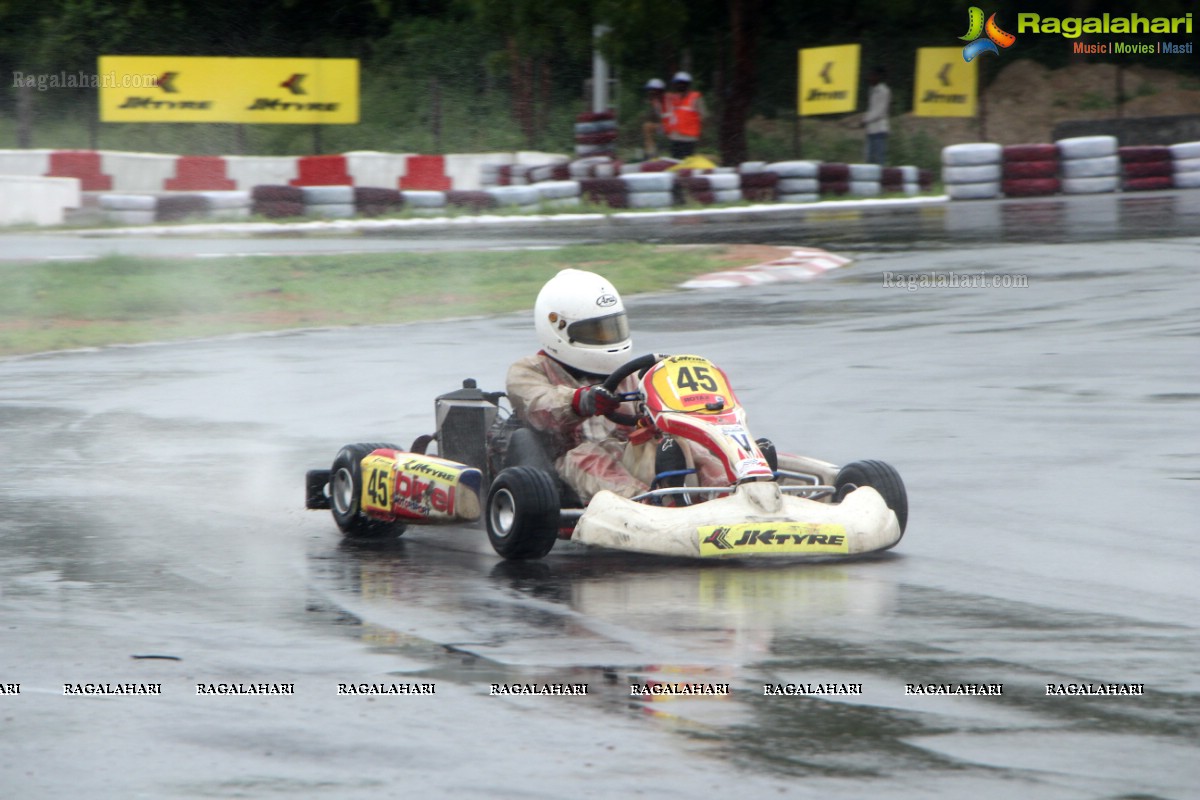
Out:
{"x": 880, "y": 476}
{"x": 345, "y": 493}
{"x": 522, "y": 513}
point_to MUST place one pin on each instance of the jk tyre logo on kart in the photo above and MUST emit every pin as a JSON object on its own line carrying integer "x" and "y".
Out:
{"x": 780, "y": 538}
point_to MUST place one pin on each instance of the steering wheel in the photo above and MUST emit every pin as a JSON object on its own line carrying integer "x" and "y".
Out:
{"x": 622, "y": 372}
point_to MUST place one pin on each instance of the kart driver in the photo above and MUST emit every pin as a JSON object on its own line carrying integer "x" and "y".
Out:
{"x": 581, "y": 324}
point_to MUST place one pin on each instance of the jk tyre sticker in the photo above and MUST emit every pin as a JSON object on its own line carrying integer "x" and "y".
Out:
{"x": 780, "y": 538}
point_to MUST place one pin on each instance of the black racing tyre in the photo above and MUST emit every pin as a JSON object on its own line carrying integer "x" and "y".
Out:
{"x": 522, "y": 513}
{"x": 881, "y": 477}
{"x": 345, "y": 491}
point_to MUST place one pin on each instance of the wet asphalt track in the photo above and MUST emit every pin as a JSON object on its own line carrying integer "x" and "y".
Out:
{"x": 152, "y": 505}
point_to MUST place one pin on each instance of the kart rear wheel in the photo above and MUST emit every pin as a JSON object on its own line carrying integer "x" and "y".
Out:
{"x": 345, "y": 492}
{"x": 522, "y": 513}
{"x": 881, "y": 477}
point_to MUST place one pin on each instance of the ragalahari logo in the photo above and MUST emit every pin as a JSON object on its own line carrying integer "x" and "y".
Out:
{"x": 976, "y": 28}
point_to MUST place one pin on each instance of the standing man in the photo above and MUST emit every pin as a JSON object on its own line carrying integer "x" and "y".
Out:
{"x": 875, "y": 120}
{"x": 652, "y": 122}
{"x": 684, "y": 118}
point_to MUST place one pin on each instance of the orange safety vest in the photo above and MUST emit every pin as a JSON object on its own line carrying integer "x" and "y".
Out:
{"x": 682, "y": 116}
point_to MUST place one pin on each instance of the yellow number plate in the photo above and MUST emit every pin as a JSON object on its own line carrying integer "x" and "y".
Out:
{"x": 690, "y": 383}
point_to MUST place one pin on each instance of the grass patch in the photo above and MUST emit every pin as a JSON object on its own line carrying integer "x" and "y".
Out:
{"x": 121, "y": 300}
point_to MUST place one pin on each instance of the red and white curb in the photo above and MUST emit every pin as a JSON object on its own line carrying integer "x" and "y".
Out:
{"x": 803, "y": 264}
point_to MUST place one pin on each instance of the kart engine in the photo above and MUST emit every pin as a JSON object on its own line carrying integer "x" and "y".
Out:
{"x": 464, "y": 418}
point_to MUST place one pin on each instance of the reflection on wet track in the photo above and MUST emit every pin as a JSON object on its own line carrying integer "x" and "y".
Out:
{"x": 152, "y": 506}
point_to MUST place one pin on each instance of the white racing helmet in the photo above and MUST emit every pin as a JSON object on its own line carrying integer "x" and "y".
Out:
{"x": 580, "y": 321}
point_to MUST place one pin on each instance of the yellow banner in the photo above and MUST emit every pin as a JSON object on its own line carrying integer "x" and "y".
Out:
{"x": 256, "y": 91}
{"x": 828, "y": 80}
{"x": 780, "y": 538}
{"x": 945, "y": 84}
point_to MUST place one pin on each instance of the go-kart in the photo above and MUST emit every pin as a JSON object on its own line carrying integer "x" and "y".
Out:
{"x": 769, "y": 503}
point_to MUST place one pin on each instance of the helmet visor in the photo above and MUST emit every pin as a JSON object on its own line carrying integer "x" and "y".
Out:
{"x": 612, "y": 329}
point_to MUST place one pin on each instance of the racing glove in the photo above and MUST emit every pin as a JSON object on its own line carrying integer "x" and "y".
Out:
{"x": 594, "y": 401}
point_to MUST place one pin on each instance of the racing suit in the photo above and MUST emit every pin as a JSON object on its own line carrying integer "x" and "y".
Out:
{"x": 590, "y": 453}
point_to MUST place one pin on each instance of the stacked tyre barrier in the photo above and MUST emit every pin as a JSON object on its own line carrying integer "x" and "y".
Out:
{"x": 798, "y": 182}
{"x": 231, "y": 204}
{"x": 758, "y": 184}
{"x": 176, "y": 207}
{"x": 328, "y": 202}
{"x": 656, "y": 165}
{"x": 1185, "y": 165}
{"x": 276, "y": 201}
{"x": 972, "y": 171}
{"x": 1030, "y": 170}
{"x": 596, "y": 134}
{"x": 900, "y": 180}
{"x": 471, "y": 200}
{"x": 1090, "y": 164}
{"x": 520, "y": 198}
{"x": 594, "y": 167}
{"x": 129, "y": 209}
{"x": 632, "y": 190}
{"x": 865, "y": 179}
{"x": 833, "y": 179}
{"x": 611, "y": 192}
{"x": 425, "y": 202}
{"x": 143, "y": 209}
{"x": 649, "y": 189}
{"x": 1145, "y": 168}
{"x": 558, "y": 194}
{"x": 523, "y": 174}
{"x": 714, "y": 187}
{"x": 373, "y": 202}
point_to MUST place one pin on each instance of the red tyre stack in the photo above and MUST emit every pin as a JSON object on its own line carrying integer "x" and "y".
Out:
{"x": 833, "y": 179}
{"x": 471, "y": 200}
{"x": 712, "y": 188}
{"x": 611, "y": 192}
{"x": 760, "y": 187}
{"x": 891, "y": 180}
{"x": 1145, "y": 168}
{"x": 276, "y": 201}
{"x": 1030, "y": 170}
{"x": 172, "y": 207}
{"x": 370, "y": 201}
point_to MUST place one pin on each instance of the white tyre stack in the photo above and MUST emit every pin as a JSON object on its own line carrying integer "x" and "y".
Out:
{"x": 523, "y": 198}
{"x": 129, "y": 209}
{"x": 798, "y": 181}
{"x": 1089, "y": 164}
{"x": 1185, "y": 164}
{"x": 865, "y": 180}
{"x": 328, "y": 202}
{"x": 420, "y": 201}
{"x": 558, "y": 194}
{"x": 649, "y": 189}
{"x": 972, "y": 171}
{"x": 596, "y": 167}
{"x": 227, "y": 204}
{"x": 713, "y": 187}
